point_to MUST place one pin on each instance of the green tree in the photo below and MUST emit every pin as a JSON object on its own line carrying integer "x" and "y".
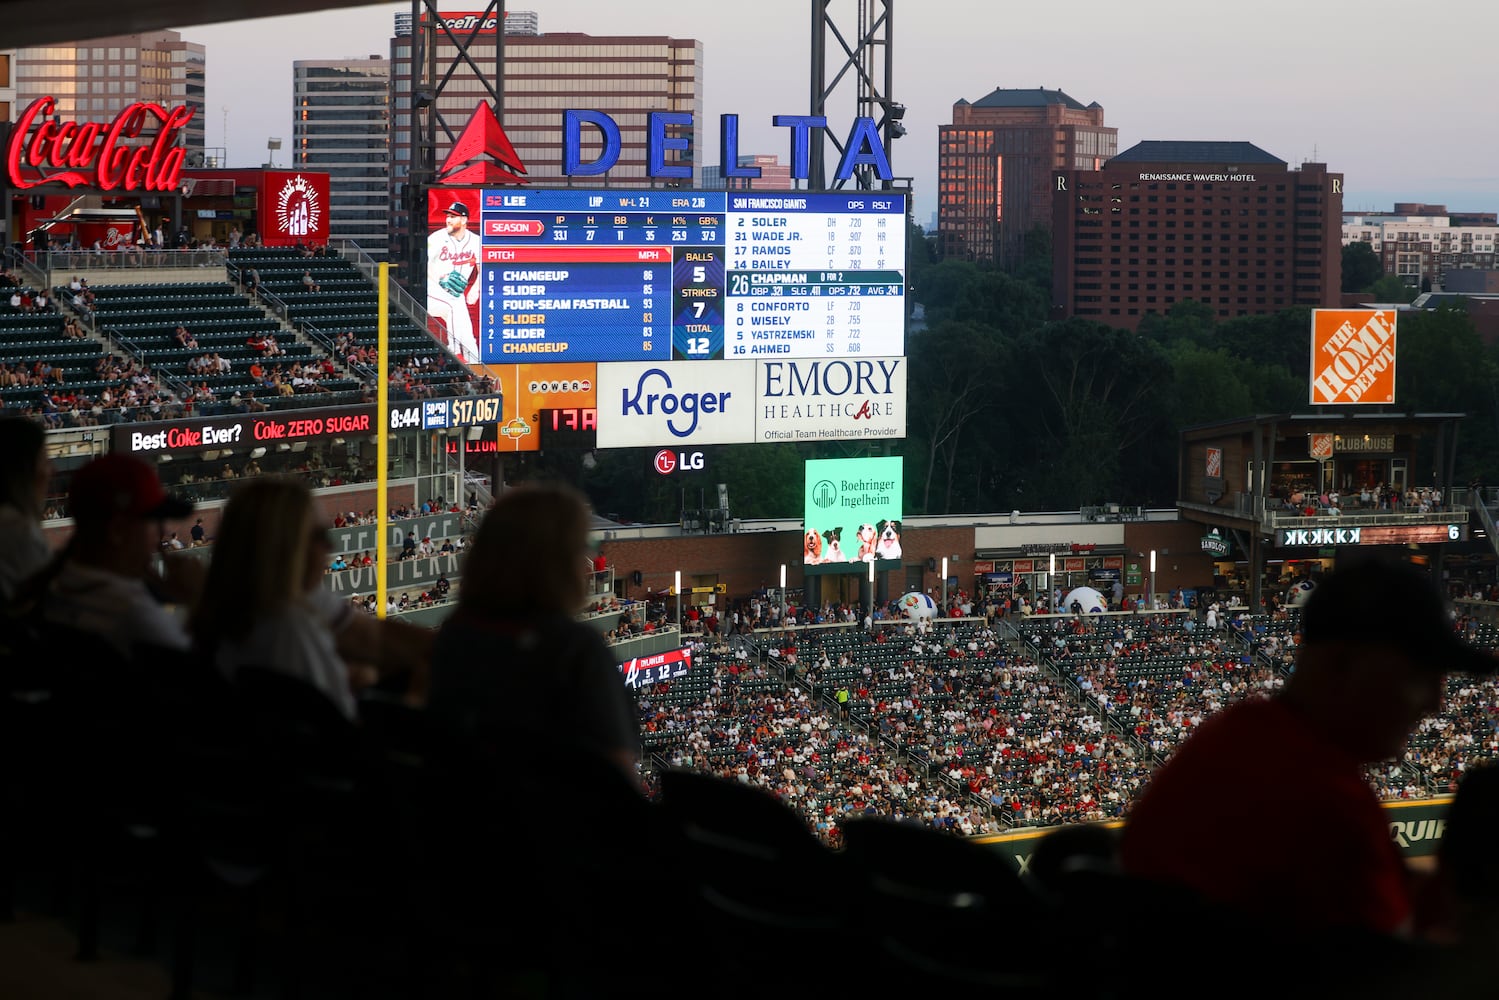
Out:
{"x": 1034, "y": 265}
{"x": 1188, "y": 320}
{"x": 1086, "y": 401}
{"x": 1361, "y": 267}
{"x": 965, "y": 292}
{"x": 1280, "y": 339}
{"x": 954, "y": 373}
{"x": 1391, "y": 289}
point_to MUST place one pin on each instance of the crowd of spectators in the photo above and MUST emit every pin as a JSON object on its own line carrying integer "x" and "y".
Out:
{"x": 954, "y": 722}
{"x": 1369, "y": 497}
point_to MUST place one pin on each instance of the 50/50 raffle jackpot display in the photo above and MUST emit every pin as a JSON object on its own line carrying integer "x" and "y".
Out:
{"x": 613, "y": 276}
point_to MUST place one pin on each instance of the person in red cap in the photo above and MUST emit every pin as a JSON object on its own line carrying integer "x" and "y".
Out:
{"x": 109, "y": 582}
{"x": 452, "y": 280}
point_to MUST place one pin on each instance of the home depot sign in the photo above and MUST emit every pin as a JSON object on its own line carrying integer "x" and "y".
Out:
{"x": 1353, "y": 356}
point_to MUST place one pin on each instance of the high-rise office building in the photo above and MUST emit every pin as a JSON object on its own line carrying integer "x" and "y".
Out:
{"x": 341, "y": 126}
{"x": 7, "y": 84}
{"x": 625, "y": 77}
{"x": 94, "y": 80}
{"x": 1225, "y": 224}
{"x": 774, "y": 175}
{"x": 995, "y": 163}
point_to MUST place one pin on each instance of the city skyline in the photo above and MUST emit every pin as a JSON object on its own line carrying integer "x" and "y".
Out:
{"x": 1302, "y": 94}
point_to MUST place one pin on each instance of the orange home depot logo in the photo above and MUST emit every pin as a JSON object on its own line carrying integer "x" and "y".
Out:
{"x": 1353, "y": 356}
{"x": 471, "y": 160}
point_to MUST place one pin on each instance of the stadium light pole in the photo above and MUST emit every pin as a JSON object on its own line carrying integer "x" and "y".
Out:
{"x": 944, "y": 586}
{"x": 871, "y": 588}
{"x": 1150, "y": 597}
{"x": 1051, "y": 572}
{"x": 783, "y": 591}
{"x": 677, "y": 589}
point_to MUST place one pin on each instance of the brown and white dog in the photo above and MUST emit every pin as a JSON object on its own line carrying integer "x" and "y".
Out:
{"x": 812, "y": 548}
{"x": 867, "y": 537}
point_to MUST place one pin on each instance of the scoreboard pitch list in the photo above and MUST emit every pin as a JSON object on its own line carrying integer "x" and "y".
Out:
{"x": 691, "y": 275}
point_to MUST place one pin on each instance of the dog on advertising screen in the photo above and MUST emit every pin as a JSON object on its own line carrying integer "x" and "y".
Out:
{"x": 812, "y": 548}
{"x": 866, "y": 536}
{"x": 888, "y": 546}
{"x": 834, "y": 551}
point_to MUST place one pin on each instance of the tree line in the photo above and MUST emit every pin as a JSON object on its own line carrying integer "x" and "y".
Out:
{"x": 1010, "y": 409}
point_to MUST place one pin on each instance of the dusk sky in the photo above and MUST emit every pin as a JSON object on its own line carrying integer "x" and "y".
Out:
{"x": 1388, "y": 93}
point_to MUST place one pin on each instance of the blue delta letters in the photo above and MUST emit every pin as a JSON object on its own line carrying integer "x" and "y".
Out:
{"x": 862, "y": 149}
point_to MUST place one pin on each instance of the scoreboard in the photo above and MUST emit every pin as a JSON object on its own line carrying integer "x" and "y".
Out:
{"x": 604, "y": 276}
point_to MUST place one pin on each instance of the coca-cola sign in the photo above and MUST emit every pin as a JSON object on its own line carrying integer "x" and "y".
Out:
{"x": 94, "y": 154}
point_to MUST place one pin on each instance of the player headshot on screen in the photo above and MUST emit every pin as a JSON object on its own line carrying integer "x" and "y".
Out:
{"x": 453, "y": 281}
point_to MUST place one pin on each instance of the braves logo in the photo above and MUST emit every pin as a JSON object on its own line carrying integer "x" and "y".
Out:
{"x": 458, "y": 255}
{"x": 863, "y": 412}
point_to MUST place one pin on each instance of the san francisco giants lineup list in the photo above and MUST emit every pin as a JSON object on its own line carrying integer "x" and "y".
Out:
{"x": 691, "y": 275}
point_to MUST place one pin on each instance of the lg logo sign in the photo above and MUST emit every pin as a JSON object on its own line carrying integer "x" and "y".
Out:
{"x": 667, "y": 461}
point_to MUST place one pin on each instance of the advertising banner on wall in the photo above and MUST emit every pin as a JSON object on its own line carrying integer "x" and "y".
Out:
{"x": 1353, "y": 357}
{"x": 293, "y": 208}
{"x": 288, "y": 427}
{"x": 675, "y": 403}
{"x": 852, "y": 514}
{"x": 531, "y": 389}
{"x": 830, "y": 399}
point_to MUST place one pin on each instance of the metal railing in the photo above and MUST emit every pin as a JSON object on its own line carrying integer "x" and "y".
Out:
{"x": 21, "y": 262}
{"x": 400, "y": 299}
{"x": 134, "y": 257}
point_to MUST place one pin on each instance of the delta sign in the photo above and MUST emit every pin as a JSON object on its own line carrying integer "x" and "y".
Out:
{"x": 484, "y": 137}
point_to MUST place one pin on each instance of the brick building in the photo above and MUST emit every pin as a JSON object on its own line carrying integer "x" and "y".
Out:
{"x": 1222, "y": 223}
{"x": 1426, "y": 246}
{"x": 995, "y": 163}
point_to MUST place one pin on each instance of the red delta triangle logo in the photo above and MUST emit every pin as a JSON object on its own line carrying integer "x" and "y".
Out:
{"x": 483, "y": 137}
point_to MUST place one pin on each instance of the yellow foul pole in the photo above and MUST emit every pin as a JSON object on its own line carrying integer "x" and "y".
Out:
{"x": 382, "y": 440}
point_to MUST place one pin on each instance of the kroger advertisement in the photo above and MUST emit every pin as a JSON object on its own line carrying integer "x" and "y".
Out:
{"x": 852, "y": 515}
{"x": 676, "y": 403}
{"x": 738, "y": 402}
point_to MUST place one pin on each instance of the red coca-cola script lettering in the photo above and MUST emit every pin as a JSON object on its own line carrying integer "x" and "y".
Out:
{"x": 95, "y": 155}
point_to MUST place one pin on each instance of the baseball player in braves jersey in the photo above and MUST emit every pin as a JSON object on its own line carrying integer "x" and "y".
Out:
{"x": 453, "y": 281}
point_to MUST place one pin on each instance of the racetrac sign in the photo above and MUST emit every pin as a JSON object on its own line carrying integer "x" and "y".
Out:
{"x": 94, "y": 154}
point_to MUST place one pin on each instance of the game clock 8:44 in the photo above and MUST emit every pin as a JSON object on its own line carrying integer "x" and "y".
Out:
{"x": 697, "y": 304}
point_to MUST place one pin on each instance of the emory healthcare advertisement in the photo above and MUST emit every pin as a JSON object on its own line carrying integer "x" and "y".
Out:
{"x": 453, "y": 256}
{"x": 851, "y": 514}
